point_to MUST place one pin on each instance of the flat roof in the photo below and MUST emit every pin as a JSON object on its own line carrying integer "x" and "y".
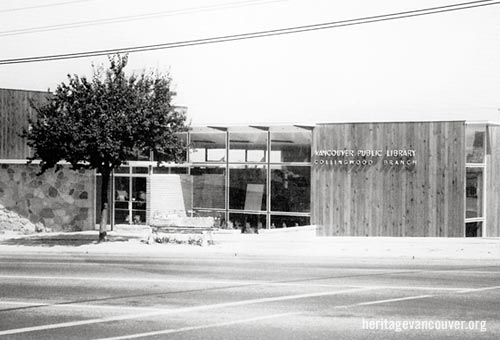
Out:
{"x": 309, "y": 126}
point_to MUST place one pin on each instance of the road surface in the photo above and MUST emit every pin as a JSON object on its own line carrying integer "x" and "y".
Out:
{"x": 71, "y": 296}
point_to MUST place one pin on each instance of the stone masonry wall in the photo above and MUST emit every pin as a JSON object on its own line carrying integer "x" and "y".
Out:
{"x": 56, "y": 201}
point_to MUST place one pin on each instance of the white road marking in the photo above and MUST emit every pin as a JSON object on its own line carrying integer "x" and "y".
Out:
{"x": 376, "y": 302}
{"x": 178, "y": 310}
{"x": 192, "y": 328}
{"x": 226, "y": 282}
{"x": 159, "y": 312}
{"x": 472, "y": 290}
{"x": 77, "y": 306}
{"x": 464, "y": 271}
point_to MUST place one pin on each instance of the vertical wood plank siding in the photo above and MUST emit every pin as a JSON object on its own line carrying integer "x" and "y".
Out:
{"x": 15, "y": 110}
{"x": 493, "y": 182}
{"x": 380, "y": 200}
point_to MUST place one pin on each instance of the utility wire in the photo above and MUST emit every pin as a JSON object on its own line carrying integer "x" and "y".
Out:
{"x": 152, "y": 15}
{"x": 41, "y": 6}
{"x": 260, "y": 34}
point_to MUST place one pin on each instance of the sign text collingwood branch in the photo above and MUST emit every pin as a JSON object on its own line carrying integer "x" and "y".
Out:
{"x": 366, "y": 157}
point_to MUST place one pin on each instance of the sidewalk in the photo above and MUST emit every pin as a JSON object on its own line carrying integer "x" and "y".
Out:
{"x": 293, "y": 242}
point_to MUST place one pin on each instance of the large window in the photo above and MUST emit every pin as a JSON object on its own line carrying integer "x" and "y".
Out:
{"x": 475, "y": 158}
{"x": 290, "y": 188}
{"x": 294, "y": 146}
{"x": 207, "y": 147}
{"x": 475, "y": 144}
{"x": 474, "y": 186}
{"x": 247, "y": 147}
{"x": 209, "y": 187}
{"x": 246, "y": 177}
{"x": 247, "y": 187}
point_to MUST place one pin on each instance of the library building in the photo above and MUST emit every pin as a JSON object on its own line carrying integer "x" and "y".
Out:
{"x": 401, "y": 179}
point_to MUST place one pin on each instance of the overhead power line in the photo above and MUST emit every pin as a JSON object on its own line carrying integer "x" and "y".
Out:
{"x": 259, "y": 34}
{"x": 153, "y": 15}
{"x": 62, "y": 3}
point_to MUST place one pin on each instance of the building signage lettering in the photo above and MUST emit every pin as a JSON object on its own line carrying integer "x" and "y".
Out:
{"x": 362, "y": 157}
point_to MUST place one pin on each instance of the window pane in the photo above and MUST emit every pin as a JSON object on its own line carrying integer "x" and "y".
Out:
{"x": 474, "y": 192}
{"x": 291, "y": 146}
{"x": 247, "y": 146}
{"x": 170, "y": 170}
{"x": 474, "y": 144}
{"x": 247, "y": 223}
{"x": 247, "y": 187}
{"x": 208, "y": 147}
{"x": 121, "y": 216}
{"x": 140, "y": 170}
{"x": 122, "y": 189}
{"x": 278, "y": 221}
{"x": 291, "y": 188}
{"x": 138, "y": 216}
{"x": 161, "y": 170}
{"x": 122, "y": 170}
{"x": 178, "y": 170}
{"x": 208, "y": 187}
{"x": 474, "y": 229}
{"x": 140, "y": 155}
{"x": 139, "y": 193}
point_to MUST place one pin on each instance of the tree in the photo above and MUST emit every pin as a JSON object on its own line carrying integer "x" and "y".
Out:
{"x": 100, "y": 123}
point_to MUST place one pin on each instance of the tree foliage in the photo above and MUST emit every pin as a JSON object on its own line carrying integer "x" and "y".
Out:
{"x": 100, "y": 123}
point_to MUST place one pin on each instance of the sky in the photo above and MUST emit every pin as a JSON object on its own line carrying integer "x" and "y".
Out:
{"x": 437, "y": 67}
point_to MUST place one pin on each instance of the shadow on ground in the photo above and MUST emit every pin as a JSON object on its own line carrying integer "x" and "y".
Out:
{"x": 59, "y": 240}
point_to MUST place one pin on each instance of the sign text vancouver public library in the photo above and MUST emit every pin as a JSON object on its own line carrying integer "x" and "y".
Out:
{"x": 389, "y": 157}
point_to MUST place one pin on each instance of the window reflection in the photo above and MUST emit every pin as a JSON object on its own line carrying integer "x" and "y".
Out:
{"x": 138, "y": 201}
{"x": 122, "y": 196}
{"x": 474, "y": 229}
{"x": 279, "y": 221}
{"x": 247, "y": 187}
{"x": 208, "y": 147}
{"x": 247, "y": 223}
{"x": 291, "y": 146}
{"x": 248, "y": 147}
{"x": 208, "y": 187}
{"x": 474, "y": 192}
{"x": 475, "y": 144}
{"x": 290, "y": 188}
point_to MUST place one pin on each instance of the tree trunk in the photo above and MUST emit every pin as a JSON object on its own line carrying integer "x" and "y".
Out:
{"x": 104, "y": 205}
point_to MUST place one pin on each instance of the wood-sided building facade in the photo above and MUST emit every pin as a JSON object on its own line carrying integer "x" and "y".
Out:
{"x": 436, "y": 179}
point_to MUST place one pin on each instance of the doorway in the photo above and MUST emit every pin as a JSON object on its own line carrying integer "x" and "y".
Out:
{"x": 130, "y": 200}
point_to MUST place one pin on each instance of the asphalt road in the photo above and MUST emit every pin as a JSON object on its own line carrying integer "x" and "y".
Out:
{"x": 234, "y": 297}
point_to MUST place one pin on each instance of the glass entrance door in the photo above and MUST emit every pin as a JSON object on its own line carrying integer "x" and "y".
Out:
{"x": 130, "y": 200}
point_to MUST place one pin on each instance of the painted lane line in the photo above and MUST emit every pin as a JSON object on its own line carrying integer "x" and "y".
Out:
{"x": 78, "y": 306}
{"x": 118, "y": 279}
{"x": 376, "y": 302}
{"x": 65, "y": 304}
{"x": 179, "y": 310}
{"x": 193, "y": 328}
{"x": 227, "y": 282}
{"x": 472, "y": 290}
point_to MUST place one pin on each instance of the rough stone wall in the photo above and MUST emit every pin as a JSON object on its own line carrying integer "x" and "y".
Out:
{"x": 60, "y": 201}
